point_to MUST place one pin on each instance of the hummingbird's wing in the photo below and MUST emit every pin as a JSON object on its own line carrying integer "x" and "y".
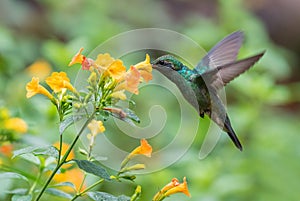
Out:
{"x": 184, "y": 87}
{"x": 224, "y": 52}
{"x": 221, "y": 75}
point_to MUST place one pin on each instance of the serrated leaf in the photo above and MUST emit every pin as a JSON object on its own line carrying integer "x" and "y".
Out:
{"x": 26, "y": 150}
{"x": 21, "y": 198}
{"x": 68, "y": 122}
{"x": 12, "y": 175}
{"x": 58, "y": 193}
{"x": 93, "y": 168}
{"x": 102, "y": 196}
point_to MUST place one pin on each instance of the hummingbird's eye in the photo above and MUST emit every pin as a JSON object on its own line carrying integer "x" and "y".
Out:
{"x": 161, "y": 62}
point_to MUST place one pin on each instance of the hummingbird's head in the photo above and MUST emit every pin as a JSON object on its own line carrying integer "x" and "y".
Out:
{"x": 167, "y": 61}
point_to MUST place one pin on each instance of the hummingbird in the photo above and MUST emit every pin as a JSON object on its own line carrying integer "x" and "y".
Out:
{"x": 200, "y": 85}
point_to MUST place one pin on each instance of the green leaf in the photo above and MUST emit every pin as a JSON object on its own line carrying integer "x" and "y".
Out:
{"x": 58, "y": 193}
{"x": 93, "y": 168}
{"x": 48, "y": 151}
{"x": 68, "y": 122}
{"x": 19, "y": 191}
{"x": 12, "y": 175}
{"x": 102, "y": 196}
{"x": 21, "y": 198}
{"x": 69, "y": 184}
{"x": 31, "y": 158}
{"x": 26, "y": 150}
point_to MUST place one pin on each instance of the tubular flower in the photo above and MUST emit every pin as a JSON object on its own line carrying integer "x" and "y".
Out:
{"x": 33, "y": 87}
{"x": 116, "y": 70}
{"x": 171, "y": 188}
{"x": 180, "y": 188}
{"x": 59, "y": 81}
{"x": 96, "y": 127}
{"x": 16, "y": 124}
{"x": 144, "y": 149}
{"x": 86, "y": 63}
{"x": 103, "y": 61}
{"x": 119, "y": 95}
{"x": 131, "y": 81}
{"x": 145, "y": 68}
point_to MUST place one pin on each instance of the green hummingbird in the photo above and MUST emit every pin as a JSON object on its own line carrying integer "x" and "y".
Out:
{"x": 200, "y": 86}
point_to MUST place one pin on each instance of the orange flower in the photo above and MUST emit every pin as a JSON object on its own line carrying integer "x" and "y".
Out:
{"x": 74, "y": 175}
{"x": 6, "y": 149}
{"x": 180, "y": 188}
{"x": 86, "y": 63}
{"x": 16, "y": 124}
{"x": 145, "y": 68}
{"x": 33, "y": 87}
{"x": 78, "y": 58}
{"x": 171, "y": 188}
{"x": 131, "y": 81}
{"x": 64, "y": 148}
{"x": 59, "y": 81}
{"x": 144, "y": 149}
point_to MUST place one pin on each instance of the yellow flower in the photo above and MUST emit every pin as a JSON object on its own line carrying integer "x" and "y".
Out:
{"x": 78, "y": 58}
{"x": 180, "y": 188}
{"x": 116, "y": 70}
{"x": 75, "y": 176}
{"x": 119, "y": 95}
{"x": 103, "y": 61}
{"x": 40, "y": 69}
{"x": 96, "y": 127}
{"x": 145, "y": 68}
{"x": 59, "y": 81}
{"x": 33, "y": 87}
{"x": 16, "y": 124}
{"x": 64, "y": 148}
{"x": 131, "y": 81}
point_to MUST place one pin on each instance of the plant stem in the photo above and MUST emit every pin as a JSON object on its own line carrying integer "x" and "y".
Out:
{"x": 63, "y": 160}
{"x": 87, "y": 189}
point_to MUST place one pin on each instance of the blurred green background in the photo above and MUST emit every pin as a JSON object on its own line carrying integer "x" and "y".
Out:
{"x": 263, "y": 103}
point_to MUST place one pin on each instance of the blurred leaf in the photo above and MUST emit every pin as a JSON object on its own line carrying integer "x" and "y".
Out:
{"x": 26, "y": 150}
{"x": 12, "y": 175}
{"x": 21, "y": 198}
{"x": 92, "y": 168}
{"x": 31, "y": 158}
{"x": 19, "y": 191}
{"x": 69, "y": 184}
{"x": 58, "y": 193}
{"x": 102, "y": 196}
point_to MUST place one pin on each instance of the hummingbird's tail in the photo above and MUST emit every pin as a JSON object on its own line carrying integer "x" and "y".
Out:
{"x": 229, "y": 130}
